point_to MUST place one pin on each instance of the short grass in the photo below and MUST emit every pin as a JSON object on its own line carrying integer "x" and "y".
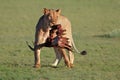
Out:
{"x": 91, "y": 21}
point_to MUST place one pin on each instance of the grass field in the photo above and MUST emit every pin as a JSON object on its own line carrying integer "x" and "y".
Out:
{"x": 95, "y": 26}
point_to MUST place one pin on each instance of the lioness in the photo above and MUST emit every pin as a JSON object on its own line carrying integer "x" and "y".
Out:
{"x": 53, "y": 17}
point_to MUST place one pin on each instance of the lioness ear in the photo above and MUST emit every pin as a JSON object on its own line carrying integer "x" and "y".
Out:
{"x": 45, "y": 11}
{"x": 58, "y": 11}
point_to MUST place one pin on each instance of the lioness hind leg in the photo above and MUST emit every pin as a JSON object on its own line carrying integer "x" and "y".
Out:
{"x": 71, "y": 57}
{"x": 66, "y": 59}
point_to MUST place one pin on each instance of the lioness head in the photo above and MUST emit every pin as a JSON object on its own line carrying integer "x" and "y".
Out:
{"x": 52, "y": 15}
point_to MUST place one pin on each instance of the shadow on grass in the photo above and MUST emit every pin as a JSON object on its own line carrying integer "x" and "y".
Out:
{"x": 7, "y": 64}
{"x": 103, "y": 36}
{"x": 49, "y": 66}
{"x": 113, "y": 34}
{"x": 15, "y": 64}
{"x": 106, "y": 36}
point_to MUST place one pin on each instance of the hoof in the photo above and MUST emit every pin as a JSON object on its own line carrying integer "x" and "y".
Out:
{"x": 53, "y": 65}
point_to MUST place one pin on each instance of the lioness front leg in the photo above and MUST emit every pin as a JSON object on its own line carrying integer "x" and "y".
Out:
{"x": 40, "y": 37}
{"x": 37, "y": 58}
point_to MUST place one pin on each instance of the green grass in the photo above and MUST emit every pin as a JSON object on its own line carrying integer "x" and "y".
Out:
{"x": 96, "y": 28}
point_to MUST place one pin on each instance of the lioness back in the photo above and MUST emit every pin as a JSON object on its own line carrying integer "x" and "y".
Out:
{"x": 65, "y": 25}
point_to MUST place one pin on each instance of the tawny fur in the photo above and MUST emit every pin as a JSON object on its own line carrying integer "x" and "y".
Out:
{"x": 52, "y": 17}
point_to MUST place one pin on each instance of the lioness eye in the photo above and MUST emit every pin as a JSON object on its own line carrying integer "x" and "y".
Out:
{"x": 50, "y": 17}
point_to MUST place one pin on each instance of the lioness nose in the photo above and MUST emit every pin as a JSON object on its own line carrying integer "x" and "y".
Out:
{"x": 53, "y": 22}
